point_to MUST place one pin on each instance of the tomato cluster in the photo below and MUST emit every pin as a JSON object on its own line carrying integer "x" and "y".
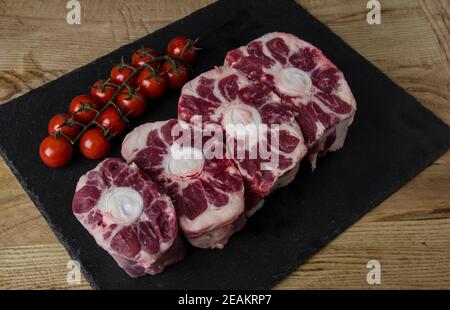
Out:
{"x": 95, "y": 118}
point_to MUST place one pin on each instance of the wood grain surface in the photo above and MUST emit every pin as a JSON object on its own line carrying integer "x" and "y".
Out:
{"x": 408, "y": 233}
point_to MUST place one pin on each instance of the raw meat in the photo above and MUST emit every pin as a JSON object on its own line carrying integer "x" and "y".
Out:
{"x": 306, "y": 81}
{"x": 129, "y": 217}
{"x": 226, "y": 97}
{"x": 208, "y": 193}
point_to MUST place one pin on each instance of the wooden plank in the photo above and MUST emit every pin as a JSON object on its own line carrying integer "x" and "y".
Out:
{"x": 36, "y": 267}
{"x": 408, "y": 233}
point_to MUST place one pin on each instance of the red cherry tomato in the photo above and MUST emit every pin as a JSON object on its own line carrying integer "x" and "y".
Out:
{"x": 62, "y": 124}
{"x": 143, "y": 56}
{"x": 176, "y": 72}
{"x": 55, "y": 151}
{"x": 93, "y": 144}
{"x": 133, "y": 105}
{"x": 182, "y": 48}
{"x": 111, "y": 119}
{"x": 101, "y": 92}
{"x": 80, "y": 108}
{"x": 120, "y": 73}
{"x": 152, "y": 85}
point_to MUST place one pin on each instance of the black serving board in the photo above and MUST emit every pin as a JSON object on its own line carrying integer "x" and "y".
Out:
{"x": 392, "y": 139}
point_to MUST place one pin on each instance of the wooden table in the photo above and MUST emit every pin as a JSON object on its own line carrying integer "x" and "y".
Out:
{"x": 409, "y": 233}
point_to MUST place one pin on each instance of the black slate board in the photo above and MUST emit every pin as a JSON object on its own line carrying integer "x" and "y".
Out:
{"x": 392, "y": 139}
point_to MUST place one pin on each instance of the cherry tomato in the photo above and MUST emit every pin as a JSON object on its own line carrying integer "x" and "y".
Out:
{"x": 176, "y": 72}
{"x": 152, "y": 85}
{"x": 80, "y": 108}
{"x": 55, "y": 151}
{"x": 183, "y": 48}
{"x": 62, "y": 124}
{"x": 93, "y": 143}
{"x": 133, "y": 105}
{"x": 143, "y": 56}
{"x": 120, "y": 73}
{"x": 101, "y": 92}
{"x": 111, "y": 119}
